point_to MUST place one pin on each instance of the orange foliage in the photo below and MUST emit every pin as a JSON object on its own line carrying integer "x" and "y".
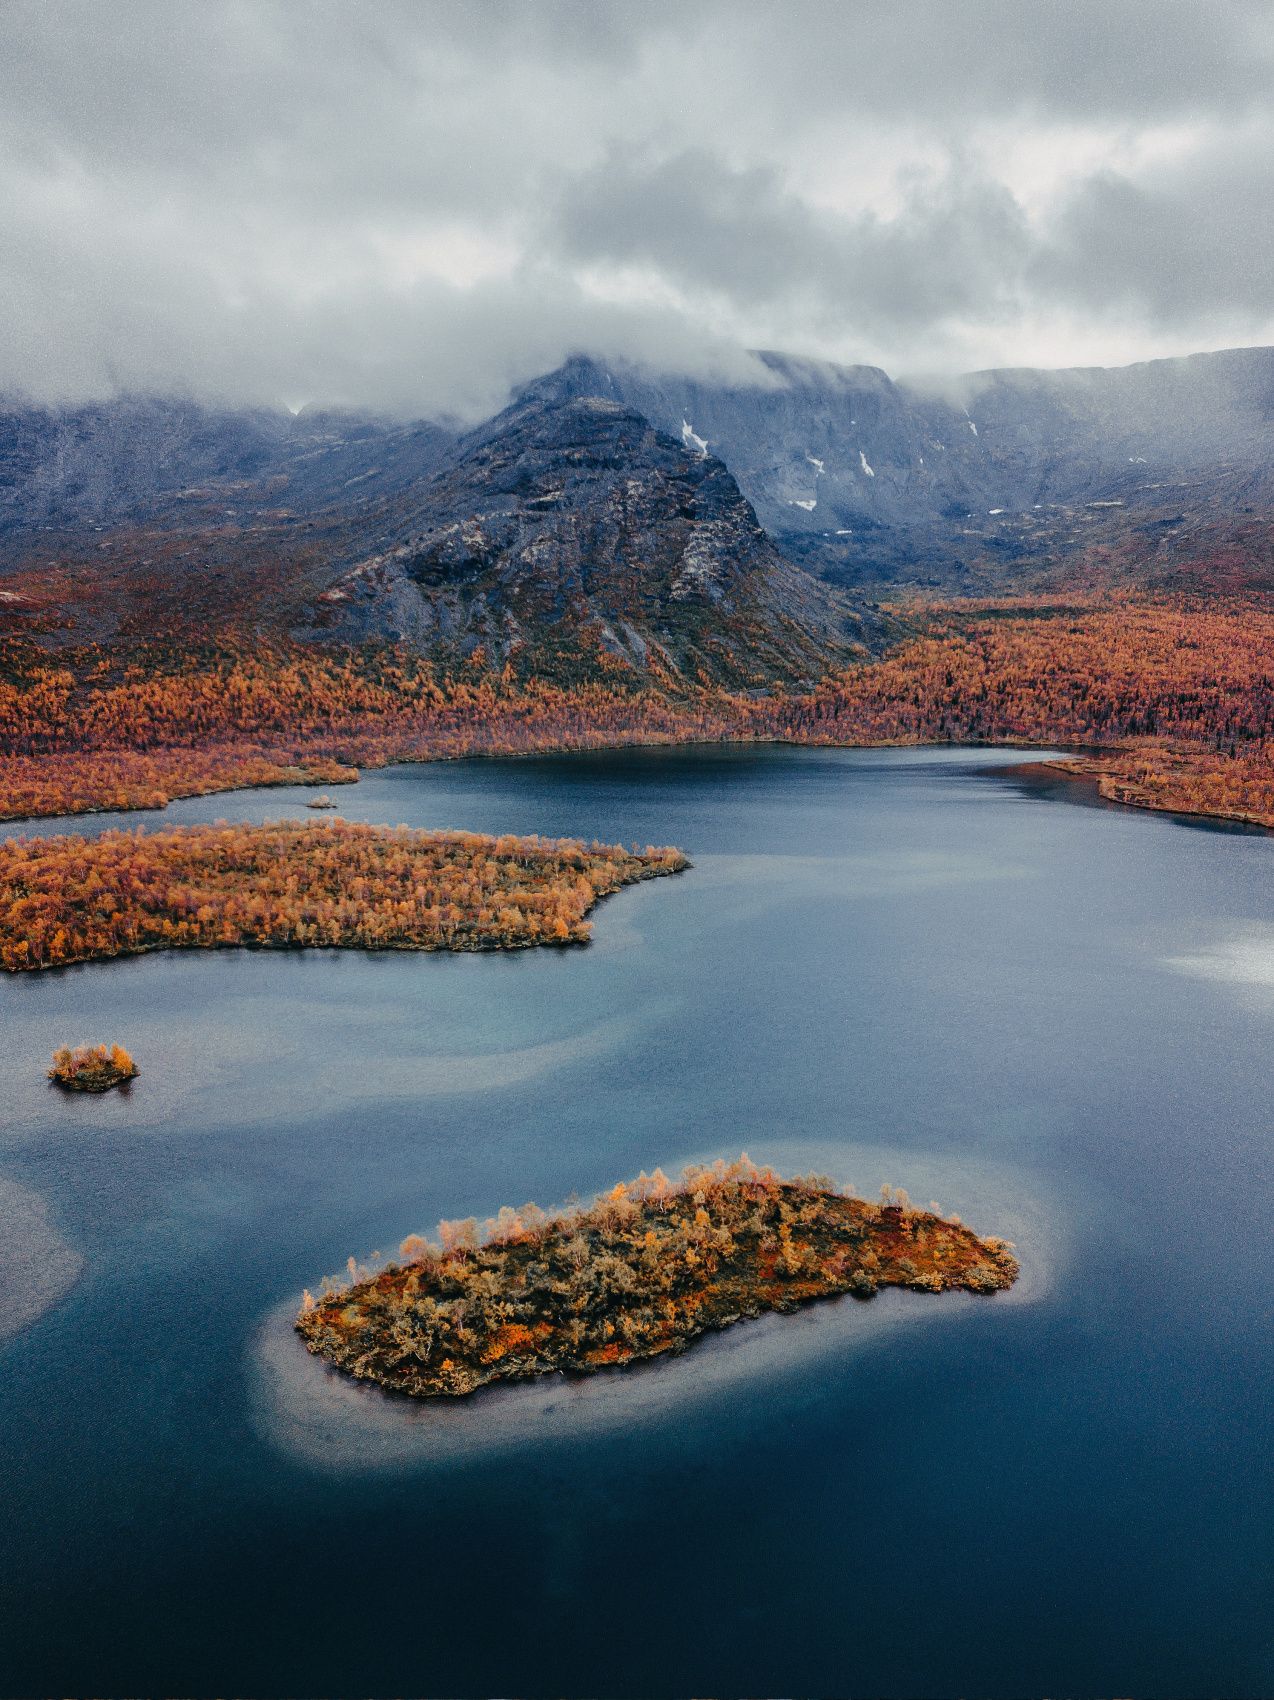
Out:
{"x": 1088, "y": 673}
{"x": 1226, "y": 787}
{"x": 290, "y": 884}
{"x": 92, "y": 1068}
{"x": 1164, "y": 678}
{"x": 642, "y": 1271}
{"x": 74, "y": 741}
{"x": 1184, "y": 692}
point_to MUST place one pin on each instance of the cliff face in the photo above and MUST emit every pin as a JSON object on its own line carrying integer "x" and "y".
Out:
{"x": 573, "y": 528}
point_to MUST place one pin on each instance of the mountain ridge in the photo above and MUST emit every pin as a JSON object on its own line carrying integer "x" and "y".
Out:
{"x": 973, "y": 487}
{"x": 868, "y": 480}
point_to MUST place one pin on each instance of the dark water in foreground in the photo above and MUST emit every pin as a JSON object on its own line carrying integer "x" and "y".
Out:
{"x": 890, "y": 966}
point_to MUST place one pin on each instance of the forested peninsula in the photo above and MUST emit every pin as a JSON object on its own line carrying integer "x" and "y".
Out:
{"x": 289, "y": 884}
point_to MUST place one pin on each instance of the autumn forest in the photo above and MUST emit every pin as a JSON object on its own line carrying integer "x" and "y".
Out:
{"x": 1172, "y": 698}
{"x": 642, "y": 1271}
{"x": 74, "y": 899}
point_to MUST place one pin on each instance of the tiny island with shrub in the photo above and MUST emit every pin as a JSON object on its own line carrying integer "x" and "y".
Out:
{"x": 92, "y": 1068}
{"x": 294, "y": 884}
{"x": 642, "y": 1271}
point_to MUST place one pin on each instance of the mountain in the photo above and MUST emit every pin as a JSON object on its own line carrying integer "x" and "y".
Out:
{"x": 869, "y": 480}
{"x": 1003, "y": 480}
{"x": 572, "y": 528}
{"x": 150, "y": 460}
{"x": 569, "y": 537}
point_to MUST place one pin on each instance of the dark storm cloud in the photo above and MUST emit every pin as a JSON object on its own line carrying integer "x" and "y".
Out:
{"x": 414, "y": 205}
{"x": 948, "y": 249}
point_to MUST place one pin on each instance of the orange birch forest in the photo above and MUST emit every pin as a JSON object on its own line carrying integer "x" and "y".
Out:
{"x": 1174, "y": 694}
{"x": 334, "y": 883}
{"x": 643, "y": 1271}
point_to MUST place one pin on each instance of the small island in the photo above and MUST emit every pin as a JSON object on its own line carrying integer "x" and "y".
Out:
{"x": 642, "y": 1271}
{"x": 92, "y": 1068}
{"x": 289, "y": 885}
{"x": 322, "y": 801}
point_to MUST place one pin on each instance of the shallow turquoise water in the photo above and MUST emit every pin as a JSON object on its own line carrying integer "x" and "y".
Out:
{"x": 901, "y": 966}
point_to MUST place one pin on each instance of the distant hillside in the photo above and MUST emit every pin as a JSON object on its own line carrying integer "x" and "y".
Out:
{"x": 868, "y": 480}
{"x": 1006, "y": 480}
{"x": 148, "y": 460}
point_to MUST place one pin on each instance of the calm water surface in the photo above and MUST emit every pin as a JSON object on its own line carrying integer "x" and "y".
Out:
{"x": 898, "y": 966}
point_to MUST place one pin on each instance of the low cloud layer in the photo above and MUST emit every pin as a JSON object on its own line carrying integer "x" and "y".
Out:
{"x": 414, "y": 205}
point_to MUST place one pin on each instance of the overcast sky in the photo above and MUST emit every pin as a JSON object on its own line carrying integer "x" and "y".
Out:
{"x": 414, "y": 205}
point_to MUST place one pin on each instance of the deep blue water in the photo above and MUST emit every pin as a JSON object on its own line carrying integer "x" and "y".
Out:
{"x": 902, "y": 966}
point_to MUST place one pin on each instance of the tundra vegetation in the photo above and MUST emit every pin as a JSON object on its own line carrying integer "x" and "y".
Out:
{"x": 642, "y": 1271}
{"x": 1172, "y": 694}
{"x": 288, "y": 884}
{"x": 92, "y": 1068}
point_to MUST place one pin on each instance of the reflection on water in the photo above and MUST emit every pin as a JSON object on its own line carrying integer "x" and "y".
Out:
{"x": 1243, "y": 957}
{"x": 882, "y": 874}
{"x": 323, "y": 1417}
{"x": 890, "y": 966}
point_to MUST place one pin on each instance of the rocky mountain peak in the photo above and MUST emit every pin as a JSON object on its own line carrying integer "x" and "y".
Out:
{"x": 575, "y": 522}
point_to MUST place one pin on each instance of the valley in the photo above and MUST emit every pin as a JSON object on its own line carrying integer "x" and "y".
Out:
{"x": 587, "y": 590}
{"x": 197, "y": 601}
{"x": 1171, "y": 699}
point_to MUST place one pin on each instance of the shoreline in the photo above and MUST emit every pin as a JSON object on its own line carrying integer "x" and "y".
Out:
{"x": 1083, "y": 772}
{"x": 1084, "y": 768}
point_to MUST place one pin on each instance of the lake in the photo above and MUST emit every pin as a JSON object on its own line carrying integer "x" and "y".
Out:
{"x": 906, "y": 966}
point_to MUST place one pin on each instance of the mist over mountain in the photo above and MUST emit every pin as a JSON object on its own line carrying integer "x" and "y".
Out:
{"x": 865, "y": 481}
{"x": 575, "y": 525}
{"x": 142, "y": 458}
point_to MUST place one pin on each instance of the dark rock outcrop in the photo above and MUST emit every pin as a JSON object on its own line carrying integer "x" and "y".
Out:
{"x": 572, "y": 528}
